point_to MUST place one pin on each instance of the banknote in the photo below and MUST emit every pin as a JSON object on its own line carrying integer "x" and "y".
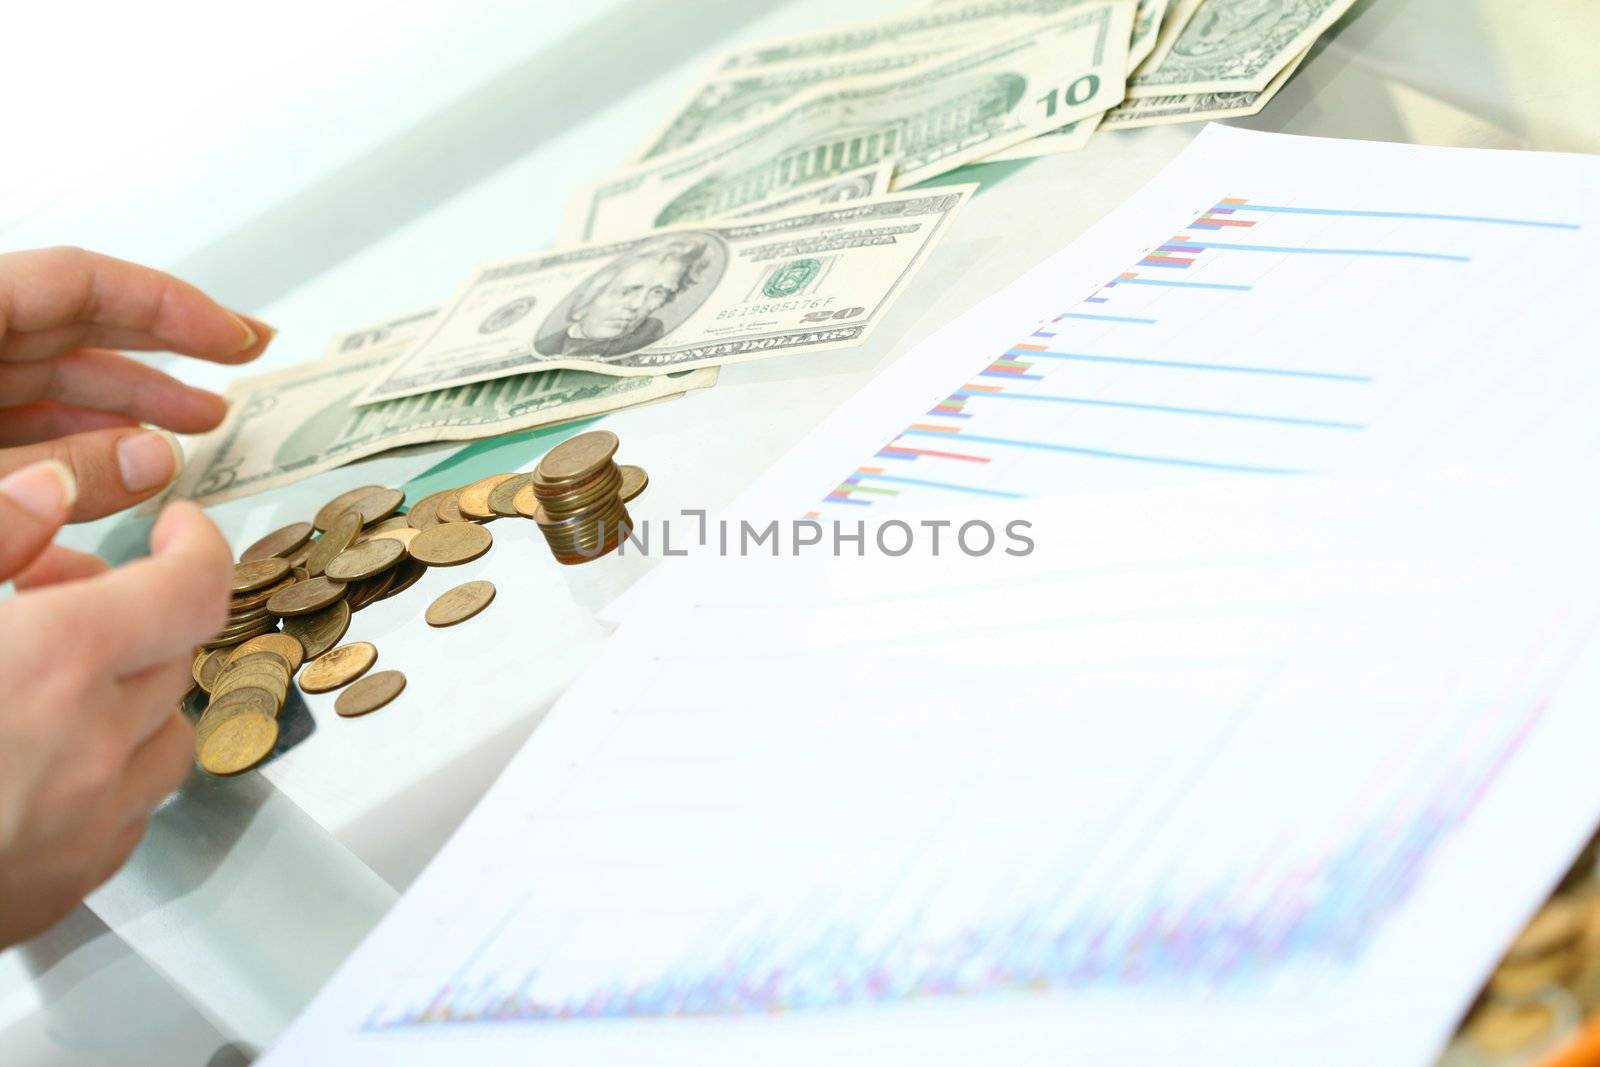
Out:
{"x": 1147, "y": 22}
{"x": 1195, "y": 107}
{"x": 1236, "y": 46}
{"x": 931, "y": 119}
{"x": 299, "y": 421}
{"x": 856, "y": 184}
{"x": 723, "y": 102}
{"x": 932, "y": 26}
{"x": 690, "y": 296}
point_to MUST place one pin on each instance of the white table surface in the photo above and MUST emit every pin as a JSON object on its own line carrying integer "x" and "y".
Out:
{"x": 248, "y": 892}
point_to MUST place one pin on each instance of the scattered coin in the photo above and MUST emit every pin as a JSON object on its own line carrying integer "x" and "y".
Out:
{"x": 370, "y": 693}
{"x": 393, "y": 522}
{"x": 1501, "y": 1028}
{"x": 339, "y": 536}
{"x": 340, "y": 504}
{"x": 460, "y": 604}
{"x": 283, "y": 644}
{"x": 634, "y": 482}
{"x": 449, "y": 510}
{"x": 258, "y": 574}
{"x": 583, "y": 455}
{"x": 406, "y": 575}
{"x": 403, "y": 534}
{"x": 237, "y": 743}
{"x": 378, "y": 504}
{"x": 208, "y": 663}
{"x": 321, "y": 630}
{"x": 502, "y": 498}
{"x": 1516, "y": 980}
{"x": 282, "y": 543}
{"x": 451, "y": 543}
{"x": 339, "y": 667}
{"x": 526, "y": 502}
{"x": 474, "y": 499}
{"x": 365, "y": 560}
{"x": 303, "y": 598}
{"x": 1557, "y": 925}
{"x": 246, "y": 701}
{"x": 425, "y": 512}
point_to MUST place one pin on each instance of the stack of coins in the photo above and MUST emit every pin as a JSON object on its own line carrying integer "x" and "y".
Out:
{"x": 240, "y": 725}
{"x": 254, "y": 584}
{"x": 575, "y": 495}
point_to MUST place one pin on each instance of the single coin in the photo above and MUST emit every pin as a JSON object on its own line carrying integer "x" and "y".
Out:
{"x": 393, "y": 522}
{"x": 247, "y": 701}
{"x": 370, "y": 693}
{"x": 283, "y": 644}
{"x": 283, "y": 543}
{"x": 258, "y": 574}
{"x": 1523, "y": 979}
{"x": 297, "y": 559}
{"x": 208, "y": 663}
{"x": 339, "y": 536}
{"x": 581, "y": 456}
{"x": 365, "y": 560}
{"x": 502, "y": 498}
{"x": 243, "y": 604}
{"x": 474, "y": 499}
{"x": 460, "y": 604}
{"x": 339, "y": 667}
{"x": 1500, "y": 1028}
{"x": 340, "y": 504}
{"x": 449, "y": 509}
{"x": 303, "y": 598}
{"x": 526, "y": 501}
{"x": 403, "y": 534}
{"x": 451, "y": 543}
{"x": 238, "y": 743}
{"x": 425, "y": 512}
{"x": 1557, "y": 925}
{"x": 320, "y": 631}
{"x": 406, "y": 575}
{"x": 378, "y": 504}
{"x": 634, "y": 482}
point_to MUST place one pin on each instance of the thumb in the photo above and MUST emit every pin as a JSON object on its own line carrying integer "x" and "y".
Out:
{"x": 34, "y": 502}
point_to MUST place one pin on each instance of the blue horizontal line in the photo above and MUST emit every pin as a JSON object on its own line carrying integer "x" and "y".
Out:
{"x": 1184, "y": 285}
{"x": 1287, "y": 420}
{"x": 846, "y": 500}
{"x": 1171, "y": 461}
{"x": 898, "y": 480}
{"x": 1231, "y": 368}
{"x": 1392, "y": 253}
{"x": 1012, "y": 377}
{"x": 1428, "y": 215}
{"x": 1104, "y": 318}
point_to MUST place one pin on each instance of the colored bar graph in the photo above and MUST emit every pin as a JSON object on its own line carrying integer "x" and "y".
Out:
{"x": 1424, "y": 216}
{"x": 951, "y": 486}
{"x": 1099, "y": 453}
{"x": 1134, "y": 279}
{"x": 1169, "y": 409}
{"x": 1230, "y": 368}
{"x": 1293, "y": 250}
{"x": 902, "y": 452}
{"x": 1170, "y": 262}
{"x": 1106, "y": 318}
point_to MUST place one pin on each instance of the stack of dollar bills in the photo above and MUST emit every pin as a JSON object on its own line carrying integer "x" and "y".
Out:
{"x": 773, "y": 212}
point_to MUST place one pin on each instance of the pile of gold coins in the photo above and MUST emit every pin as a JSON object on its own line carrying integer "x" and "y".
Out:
{"x": 365, "y": 551}
{"x": 1546, "y": 984}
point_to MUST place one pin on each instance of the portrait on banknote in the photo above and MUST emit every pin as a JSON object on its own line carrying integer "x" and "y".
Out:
{"x": 636, "y": 299}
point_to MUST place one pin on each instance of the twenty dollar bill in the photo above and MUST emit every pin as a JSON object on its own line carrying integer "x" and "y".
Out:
{"x": 682, "y": 298}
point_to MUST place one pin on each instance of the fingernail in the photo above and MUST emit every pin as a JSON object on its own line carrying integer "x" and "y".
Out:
{"x": 249, "y": 332}
{"x": 45, "y": 490}
{"x": 148, "y": 460}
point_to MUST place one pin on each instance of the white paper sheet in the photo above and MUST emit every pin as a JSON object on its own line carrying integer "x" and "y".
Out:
{"x": 1239, "y": 766}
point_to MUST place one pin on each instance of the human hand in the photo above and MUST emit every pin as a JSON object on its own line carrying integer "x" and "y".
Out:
{"x": 94, "y": 661}
{"x": 65, "y": 395}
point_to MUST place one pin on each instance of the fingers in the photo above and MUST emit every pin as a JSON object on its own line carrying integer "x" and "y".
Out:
{"x": 114, "y": 468}
{"x": 55, "y": 299}
{"x": 98, "y": 380}
{"x": 158, "y": 609}
{"x": 32, "y": 423}
{"x": 58, "y": 564}
{"x": 34, "y": 502}
{"x": 149, "y": 700}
